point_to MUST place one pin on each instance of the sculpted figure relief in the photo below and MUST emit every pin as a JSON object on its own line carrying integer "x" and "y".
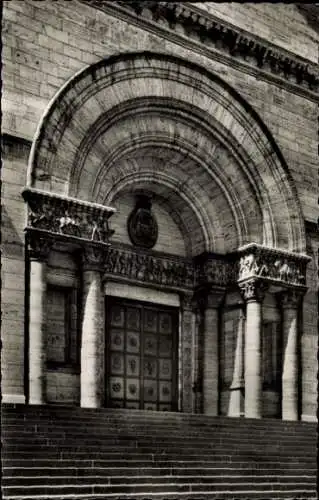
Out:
{"x": 148, "y": 268}
{"x": 271, "y": 266}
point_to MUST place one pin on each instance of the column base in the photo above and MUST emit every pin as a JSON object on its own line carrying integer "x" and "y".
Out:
{"x": 13, "y": 398}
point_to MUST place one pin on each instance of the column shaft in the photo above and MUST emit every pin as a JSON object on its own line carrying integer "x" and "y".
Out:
{"x": 253, "y": 375}
{"x": 290, "y": 364}
{"x": 93, "y": 341}
{"x": 211, "y": 361}
{"x": 37, "y": 337}
{"x": 238, "y": 376}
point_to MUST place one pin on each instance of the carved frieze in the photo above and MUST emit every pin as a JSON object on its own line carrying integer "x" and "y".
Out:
{"x": 63, "y": 216}
{"x": 145, "y": 267}
{"x": 216, "y": 270}
{"x": 272, "y": 264}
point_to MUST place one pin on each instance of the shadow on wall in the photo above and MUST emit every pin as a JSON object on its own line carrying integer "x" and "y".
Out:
{"x": 12, "y": 244}
{"x": 311, "y": 13}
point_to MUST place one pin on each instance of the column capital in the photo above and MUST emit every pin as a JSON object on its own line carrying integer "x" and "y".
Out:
{"x": 290, "y": 299}
{"x": 93, "y": 258}
{"x": 214, "y": 298}
{"x": 209, "y": 298}
{"x": 253, "y": 290}
{"x": 188, "y": 301}
{"x": 39, "y": 246}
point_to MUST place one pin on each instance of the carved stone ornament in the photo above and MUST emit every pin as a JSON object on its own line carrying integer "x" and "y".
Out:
{"x": 66, "y": 217}
{"x": 141, "y": 266}
{"x": 290, "y": 299}
{"x": 142, "y": 225}
{"x": 253, "y": 290}
{"x": 255, "y": 54}
{"x": 93, "y": 257}
{"x": 39, "y": 247}
{"x": 188, "y": 301}
{"x": 271, "y": 264}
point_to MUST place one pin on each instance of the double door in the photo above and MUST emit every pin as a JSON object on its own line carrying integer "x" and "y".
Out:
{"x": 141, "y": 360}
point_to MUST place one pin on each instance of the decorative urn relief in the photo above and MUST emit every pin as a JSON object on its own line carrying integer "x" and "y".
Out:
{"x": 142, "y": 225}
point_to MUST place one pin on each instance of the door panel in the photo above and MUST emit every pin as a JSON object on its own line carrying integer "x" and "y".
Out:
{"x": 141, "y": 356}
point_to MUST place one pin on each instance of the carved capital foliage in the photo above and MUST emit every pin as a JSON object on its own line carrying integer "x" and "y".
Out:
{"x": 67, "y": 218}
{"x": 93, "y": 257}
{"x": 271, "y": 264}
{"x": 209, "y": 298}
{"x": 290, "y": 299}
{"x": 187, "y": 301}
{"x": 39, "y": 246}
{"x": 253, "y": 290}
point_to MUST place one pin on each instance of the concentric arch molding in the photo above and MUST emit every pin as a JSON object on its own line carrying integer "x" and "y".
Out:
{"x": 219, "y": 40}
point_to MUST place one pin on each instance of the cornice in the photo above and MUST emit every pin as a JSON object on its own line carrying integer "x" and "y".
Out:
{"x": 219, "y": 40}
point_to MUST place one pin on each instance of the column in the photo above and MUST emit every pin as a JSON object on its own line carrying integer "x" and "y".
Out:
{"x": 237, "y": 384}
{"x": 39, "y": 252}
{"x": 186, "y": 354}
{"x": 290, "y": 301}
{"x": 93, "y": 328}
{"x": 211, "y": 353}
{"x": 198, "y": 359}
{"x": 253, "y": 292}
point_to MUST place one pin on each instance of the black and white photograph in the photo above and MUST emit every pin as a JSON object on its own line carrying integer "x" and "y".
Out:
{"x": 159, "y": 250}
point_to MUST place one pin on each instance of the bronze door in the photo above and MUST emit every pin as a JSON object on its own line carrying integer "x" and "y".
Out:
{"x": 141, "y": 358}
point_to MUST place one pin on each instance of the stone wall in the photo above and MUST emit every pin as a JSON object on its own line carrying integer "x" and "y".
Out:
{"x": 14, "y": 160}
{"x": 170, "y": 239}
{"x": 282, "y": 24}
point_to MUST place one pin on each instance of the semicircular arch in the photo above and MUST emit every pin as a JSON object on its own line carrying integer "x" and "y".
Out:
{"x": 98, "y": 89}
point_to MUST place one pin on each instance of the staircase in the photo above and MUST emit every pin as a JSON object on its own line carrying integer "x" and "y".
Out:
{"x": 55, "y": 452}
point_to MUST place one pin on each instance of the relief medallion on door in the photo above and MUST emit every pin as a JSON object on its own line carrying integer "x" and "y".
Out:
{"x": 141, "y": 356}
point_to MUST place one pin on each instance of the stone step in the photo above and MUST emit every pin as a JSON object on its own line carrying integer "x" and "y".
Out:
{"x": 244, "y": 495}
{"x": 155, "y": 471}
{"x": 140, "y": 443}
{"x": 238, "y": 463}
{"x": 142, "y": 415}
{"x": 155, "y": 454}
{"x": 155, "y": 479}
{"x": 151, "y": 424}
{"x": 60, "y": 432}
{"x": 155, "y": 487}
{"x": 60, "y": 452}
